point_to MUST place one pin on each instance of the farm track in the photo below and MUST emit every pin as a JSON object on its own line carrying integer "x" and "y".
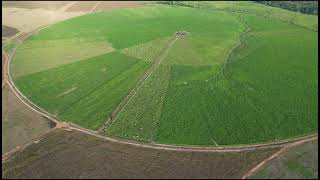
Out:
{"x": 147, "y": 74}
{"x": 238, "y": 45}
{"x": 285, "y": 144}
{"x": 95, "y": 6}
{"x": 5, "y": 60}
{"x": 278, "y": 153}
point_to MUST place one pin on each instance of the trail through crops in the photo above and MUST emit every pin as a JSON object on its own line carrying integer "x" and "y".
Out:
{"x": 148, "y": 73}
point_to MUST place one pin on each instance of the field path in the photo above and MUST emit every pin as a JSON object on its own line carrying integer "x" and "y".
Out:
{"x": 67, "y": 6}
{"x": 95, "y": 6}
{"x": 275, "y": 155}
{"x": 4, "y": 69}
{"x": 237, "y": 45}
{"x": 147, "y": 74}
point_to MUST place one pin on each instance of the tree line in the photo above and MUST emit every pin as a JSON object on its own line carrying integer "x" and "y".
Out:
{"x": 306, "y": 7}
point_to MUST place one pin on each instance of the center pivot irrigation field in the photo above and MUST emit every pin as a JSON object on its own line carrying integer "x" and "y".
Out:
{"x": 234, "y": 77}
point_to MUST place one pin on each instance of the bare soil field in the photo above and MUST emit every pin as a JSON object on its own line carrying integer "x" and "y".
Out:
{"x": 20, "y": 125}
{"x": 72, "y": 154}
{"x": 109, "y": 5}
{"x": 27, "y": 20}
{"x": 300, "y": 162}
{"x": 82, "y": 6}
{"x": 48, "y": 5}
{"x": 8, "y": 31}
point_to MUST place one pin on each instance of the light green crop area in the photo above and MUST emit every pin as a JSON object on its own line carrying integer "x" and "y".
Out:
{"x": 39, "y": 55}
{"x": 140, "y": 119}
{"x": 249, "y": 7}
{"x": 75, "y": 91}
{"x": 147, "y": 51}
{"x": 244, "y": 73}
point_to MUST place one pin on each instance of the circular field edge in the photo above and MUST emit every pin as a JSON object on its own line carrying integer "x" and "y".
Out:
{"x": 61, "y": 124}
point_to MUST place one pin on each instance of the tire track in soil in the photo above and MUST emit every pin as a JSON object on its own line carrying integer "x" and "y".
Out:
{"x": 132, "y": 92}
{"x": 4, "y": 69}
{"x": 277, "y": 154}
{"x": 95, "y": 6}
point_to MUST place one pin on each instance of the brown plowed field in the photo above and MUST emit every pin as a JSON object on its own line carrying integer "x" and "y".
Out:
{"x": 20, "y": 124}
{"x": 108, "y": 5}
{"x": 72, "y": 154}
{"x": 48, "y": 5}
{"x": 82, "y": 6}
{"x": 8, "y": 31}
{"x": 300, "y": 162}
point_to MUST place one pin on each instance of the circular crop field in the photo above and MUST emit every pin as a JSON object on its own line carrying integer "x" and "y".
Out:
{"x": 233, "y": 74}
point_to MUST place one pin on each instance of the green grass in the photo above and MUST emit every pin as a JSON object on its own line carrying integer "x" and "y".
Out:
{"x": 126, "y": 28}
{"x": 203, "y": 49}
{"x": 268, "y": 91}
{"x": 206, "y": 50}
{"x": 252, "y": 8}
{"x": 147, "y": 51}
{"x": 9, "y": 45}
{"x": 92, "y": 110}
{"x": 49, "y": 89}
{"x": 139, "y": 120}
{"x": 39, "y": 55}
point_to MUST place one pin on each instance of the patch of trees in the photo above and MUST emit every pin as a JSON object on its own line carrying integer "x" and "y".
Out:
{"x": 178, "y": 3}
{"x": 306, "y": 7}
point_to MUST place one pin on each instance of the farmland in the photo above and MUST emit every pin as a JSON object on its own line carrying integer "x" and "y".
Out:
{"x": 72, "y": 154}
{"x": 235, "y": 77}
{"x": 8, "y": 31}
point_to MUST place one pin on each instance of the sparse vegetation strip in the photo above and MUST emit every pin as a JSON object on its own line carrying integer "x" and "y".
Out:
{"x": 155, "y": 64}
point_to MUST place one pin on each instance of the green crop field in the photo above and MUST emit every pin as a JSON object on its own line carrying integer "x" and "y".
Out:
{"x": 243, "y": 73}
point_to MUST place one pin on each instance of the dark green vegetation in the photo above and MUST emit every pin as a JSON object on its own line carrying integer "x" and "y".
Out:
{"x": 83, "y": 91}
{"x": 307, "y": 7}
{"x": 250, "y": 7}
{"x": 244, "y": 73}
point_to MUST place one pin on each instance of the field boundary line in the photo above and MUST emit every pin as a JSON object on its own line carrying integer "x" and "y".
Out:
{"x": 252, "y": 13}
{"x": 67, "y": 6}
{"x": 277, "y": 154}
{"x": 238, "y": 45}
{"x": 163, "y": 101}
{"x": 140, "y": 82}
{"x": 37, "y": 139}
{"x": 94, "y": 90}
{"x": 71, "y": 126}
{"x": 95, "y": 6}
